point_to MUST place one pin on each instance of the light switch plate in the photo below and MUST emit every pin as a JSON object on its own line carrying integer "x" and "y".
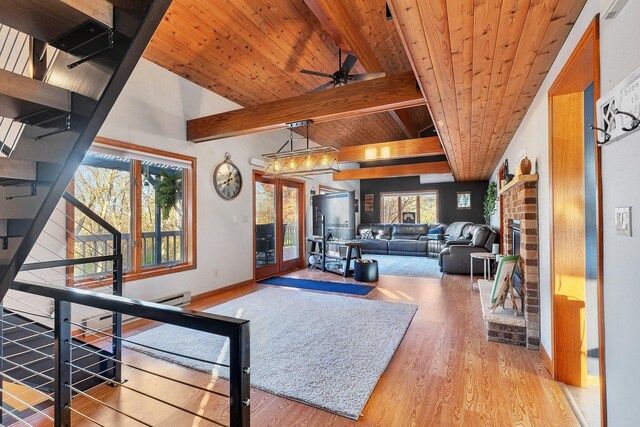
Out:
{"x": 623, "y": 221}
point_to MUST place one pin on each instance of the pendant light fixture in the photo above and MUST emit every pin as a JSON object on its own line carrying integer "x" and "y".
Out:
{"x": 300, "y": 162}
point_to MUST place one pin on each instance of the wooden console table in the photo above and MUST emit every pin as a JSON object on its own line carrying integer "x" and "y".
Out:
{"x": 352, "y": 251}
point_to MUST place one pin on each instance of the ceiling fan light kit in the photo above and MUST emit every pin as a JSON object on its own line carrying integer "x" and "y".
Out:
{"x": 301, "y": 162}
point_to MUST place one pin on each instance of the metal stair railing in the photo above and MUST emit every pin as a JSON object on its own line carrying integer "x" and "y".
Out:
{"x": 66, "y": 392}
{"x": 92, "y": 84}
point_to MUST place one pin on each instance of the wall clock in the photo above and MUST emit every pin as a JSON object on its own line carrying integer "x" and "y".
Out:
{"x": 227, "y": 179}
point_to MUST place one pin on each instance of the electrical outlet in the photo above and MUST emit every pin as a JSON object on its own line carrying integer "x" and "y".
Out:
{"x": 623, "y": 221}
{"x": 215, "y": 272}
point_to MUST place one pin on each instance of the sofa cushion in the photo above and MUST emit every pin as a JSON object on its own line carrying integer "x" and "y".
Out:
{"x": 366, "y": 234}
{"x": 374, "y": 246}
{"x": 480, "y": 236}
{"x": 408, "y": 231}
{"x": 407, "y": 247}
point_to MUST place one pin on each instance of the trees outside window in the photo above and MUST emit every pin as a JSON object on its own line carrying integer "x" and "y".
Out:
{"x": 419, "y": 207}
{"x": 150, "y": 202}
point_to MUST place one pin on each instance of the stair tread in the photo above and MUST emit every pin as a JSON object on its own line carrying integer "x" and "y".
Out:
{"x": 20, "y": 95}
{"x": 20, "y": 170}
{"x": 49, "y": 20}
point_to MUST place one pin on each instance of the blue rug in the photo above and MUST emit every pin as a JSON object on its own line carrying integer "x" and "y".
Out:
{"x": 319, "y": 285}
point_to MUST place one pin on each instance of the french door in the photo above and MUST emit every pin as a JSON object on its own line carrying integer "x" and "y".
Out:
{"x": 279, "y": 225}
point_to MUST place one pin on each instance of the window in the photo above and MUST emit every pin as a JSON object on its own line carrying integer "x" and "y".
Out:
{"x": 419, "y": 207}
{"x": 146, "y": 194}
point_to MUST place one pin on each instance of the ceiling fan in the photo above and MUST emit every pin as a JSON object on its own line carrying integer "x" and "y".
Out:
{"x": 342, "y": 76}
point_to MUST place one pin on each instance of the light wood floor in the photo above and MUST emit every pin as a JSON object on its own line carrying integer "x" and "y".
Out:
{"x": 444, "y": 373}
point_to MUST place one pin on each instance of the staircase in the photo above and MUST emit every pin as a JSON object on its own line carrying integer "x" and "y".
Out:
{"x": 79, "y": 56}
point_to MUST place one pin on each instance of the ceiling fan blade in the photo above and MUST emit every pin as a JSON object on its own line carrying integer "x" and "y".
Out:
{"x": 348, "y": 63}
{"x": 317, "y": 73}
{"x": 323, "y": 87}
{"x": 368, "y": 76}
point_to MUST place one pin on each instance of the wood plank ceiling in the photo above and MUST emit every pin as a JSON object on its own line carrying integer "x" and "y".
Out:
{"x": 251, "y": 52}
{"x": 479, "y": 63}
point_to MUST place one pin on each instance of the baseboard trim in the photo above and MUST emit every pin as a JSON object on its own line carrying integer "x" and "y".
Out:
{"x": 227, "y": 288}
{"x": 546, "y": 360}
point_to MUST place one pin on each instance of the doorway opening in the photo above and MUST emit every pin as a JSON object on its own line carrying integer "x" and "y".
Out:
{"x": 577, "y": 352}
{"x": 278, "y": 225}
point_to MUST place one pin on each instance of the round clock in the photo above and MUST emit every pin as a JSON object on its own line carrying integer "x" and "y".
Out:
{"x": 227, "y": 179}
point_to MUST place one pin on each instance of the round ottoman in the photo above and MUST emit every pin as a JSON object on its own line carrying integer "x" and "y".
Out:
{"x": 366, "y": 270}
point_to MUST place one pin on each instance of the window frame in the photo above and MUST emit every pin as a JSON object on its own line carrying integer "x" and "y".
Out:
{"x": 417, "y": 194}
{"x": 189, "y": 217}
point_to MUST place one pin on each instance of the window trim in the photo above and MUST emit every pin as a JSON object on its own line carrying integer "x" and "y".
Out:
{"x": 190, "y": 218}
{"x": 409, "y": 193}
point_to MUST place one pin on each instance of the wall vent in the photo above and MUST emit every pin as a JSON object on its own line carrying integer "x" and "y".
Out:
{"x": 615, "y": 8}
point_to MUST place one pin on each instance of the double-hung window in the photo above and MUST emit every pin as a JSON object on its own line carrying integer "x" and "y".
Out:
{"x": 149, "y": 196}
{"x": 414, "y": 207}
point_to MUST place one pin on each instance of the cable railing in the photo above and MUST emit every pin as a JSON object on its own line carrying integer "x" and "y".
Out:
{"x": 162, "y": 390}
{"x": 72, "y": 368}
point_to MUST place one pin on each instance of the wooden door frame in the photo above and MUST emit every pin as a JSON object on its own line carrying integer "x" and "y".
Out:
{"x": 278, "y": 225}
{"x": 571, "y": 77}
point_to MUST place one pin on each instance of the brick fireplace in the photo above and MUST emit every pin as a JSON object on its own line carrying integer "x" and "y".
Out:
{"x": 520, "y": 203}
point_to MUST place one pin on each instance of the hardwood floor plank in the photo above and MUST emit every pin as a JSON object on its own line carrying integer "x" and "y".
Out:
{"x": 444, "y": 373}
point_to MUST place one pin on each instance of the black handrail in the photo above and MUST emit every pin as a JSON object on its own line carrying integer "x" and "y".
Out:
{"x": 90, "y": 214}
{"x": 116, "y": 258}
{"x": 237, "y": 330}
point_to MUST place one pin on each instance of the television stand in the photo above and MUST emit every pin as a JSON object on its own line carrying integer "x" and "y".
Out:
{"x": 336, "y": 255}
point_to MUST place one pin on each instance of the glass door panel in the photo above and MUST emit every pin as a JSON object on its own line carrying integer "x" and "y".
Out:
{"x": 279, "y": 217}
{"x": 265, "y": 235}
{"x": 290, "y": 213}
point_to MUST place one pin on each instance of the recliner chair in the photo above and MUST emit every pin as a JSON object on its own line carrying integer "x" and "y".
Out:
{"x": 455, "y": 257}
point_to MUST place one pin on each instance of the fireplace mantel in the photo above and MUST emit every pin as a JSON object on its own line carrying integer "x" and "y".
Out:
{"x": 518, "y": 181}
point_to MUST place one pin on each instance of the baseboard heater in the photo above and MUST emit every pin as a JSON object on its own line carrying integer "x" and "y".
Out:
{"x": 104, "y": 320}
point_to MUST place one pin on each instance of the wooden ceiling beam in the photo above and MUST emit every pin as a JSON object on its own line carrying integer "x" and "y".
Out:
{"x": 393, "y": 171}
{"x": 392, "y": 150}
{"x": 337, "y": 20}
{"x": 372, "y": 96}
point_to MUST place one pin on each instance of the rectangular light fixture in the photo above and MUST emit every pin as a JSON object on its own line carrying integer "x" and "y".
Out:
{"x": 307, "y": 161}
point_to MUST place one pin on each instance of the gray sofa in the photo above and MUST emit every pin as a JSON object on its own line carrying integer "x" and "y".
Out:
{"x": 455, "y": 256}
{"x": 399, "y": 239}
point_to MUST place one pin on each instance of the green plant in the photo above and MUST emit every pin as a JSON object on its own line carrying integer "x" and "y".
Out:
{"x": 490, "y": 201}
{"x": 168, "y": 191}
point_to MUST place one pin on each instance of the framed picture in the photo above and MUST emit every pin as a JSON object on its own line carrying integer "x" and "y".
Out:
{"x": 368, "y": 203}
{"x": 464, "y": 199}
{"x": 408, "y": 217}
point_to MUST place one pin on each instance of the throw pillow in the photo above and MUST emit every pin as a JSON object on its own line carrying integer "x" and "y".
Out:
{"x": 437, "y": 230}
{"x": 365, "y": 233}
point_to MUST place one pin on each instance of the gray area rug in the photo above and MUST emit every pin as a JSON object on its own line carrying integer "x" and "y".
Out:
{"x": 414, "y": 266}
{"x": 324, "y": 350}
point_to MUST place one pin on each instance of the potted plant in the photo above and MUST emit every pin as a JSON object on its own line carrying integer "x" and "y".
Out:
{"x": 490, "y": 202}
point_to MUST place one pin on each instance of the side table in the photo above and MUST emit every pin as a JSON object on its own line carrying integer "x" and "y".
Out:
{"x": 487, "y": 257}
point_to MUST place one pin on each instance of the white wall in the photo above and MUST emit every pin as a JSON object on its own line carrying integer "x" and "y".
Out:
{"x": 620, "y": 54}
{"x": 152, "y": 111}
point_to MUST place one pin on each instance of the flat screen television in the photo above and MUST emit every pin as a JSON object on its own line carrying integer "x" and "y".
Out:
{"x": 339, "y": 210}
